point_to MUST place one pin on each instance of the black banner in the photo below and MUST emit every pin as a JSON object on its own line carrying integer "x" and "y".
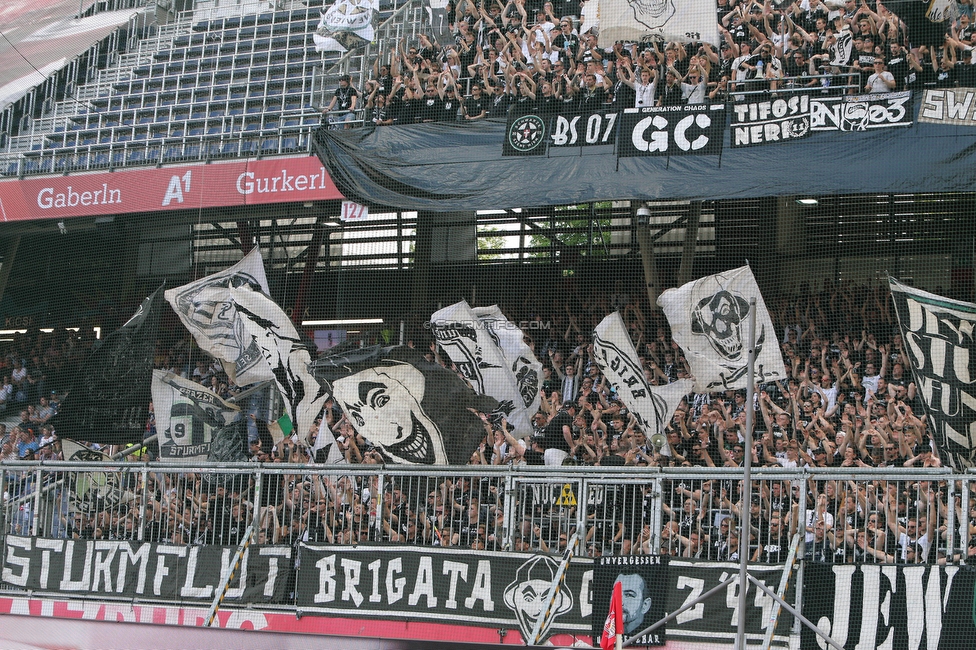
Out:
{"x": 508, "y": 590}
{"x": 872, "y": 606}
{"x": 939, "y": 343}
{"x": 861, "y": 112}
{"x": 143, "y": 570}
{"x": 576, "y": 130}
{"x": 777, "y": 120}
{"x": 109, "y": 400}
{"x": 672, "y": 130}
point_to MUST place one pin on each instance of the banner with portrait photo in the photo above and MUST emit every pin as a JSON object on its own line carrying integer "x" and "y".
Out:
{"x": 188, "y": 415}
{"x": 644, "y": 582}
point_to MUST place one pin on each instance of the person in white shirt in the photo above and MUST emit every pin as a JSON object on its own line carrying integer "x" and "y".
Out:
{"x": 880, "y": 81}
{"x": 693, "y": 90}
{"x": 644, "y": 87}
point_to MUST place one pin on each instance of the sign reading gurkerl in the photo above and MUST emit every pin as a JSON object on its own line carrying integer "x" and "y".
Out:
{"x": 238, "y": 182}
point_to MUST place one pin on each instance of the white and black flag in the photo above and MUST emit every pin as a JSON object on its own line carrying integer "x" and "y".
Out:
{"x": 277, "y": 339}
{"x": 188, "y": 415}
{"x": 709, "y": 320}
{"x": 489, "y": 351}
{"x": 653, "y": 406}
{"x": 938, "y": 335}
{"x": 206, "y": 309}
{"x": 412, "y": 410}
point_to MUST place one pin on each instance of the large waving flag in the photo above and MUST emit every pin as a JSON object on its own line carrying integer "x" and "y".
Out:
{"x": 108, "y": 403}
{"x": 490, "y": 352}
{"x": 938, "y": 333}
{"x": 659, "y": 20}
{"x": 188, "y": 417}
{"x": 414, "y": 411}
{"x": 206, "y": 310}
{"x": 709, "y": 320}
{"x": 277, "y": 339}
{"x": 653, "y": 406}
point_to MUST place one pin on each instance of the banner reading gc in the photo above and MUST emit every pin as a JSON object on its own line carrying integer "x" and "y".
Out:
{"x": 672, "y": 130}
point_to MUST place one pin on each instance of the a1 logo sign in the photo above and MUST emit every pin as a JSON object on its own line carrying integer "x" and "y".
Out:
{"x": 353, "y": 212}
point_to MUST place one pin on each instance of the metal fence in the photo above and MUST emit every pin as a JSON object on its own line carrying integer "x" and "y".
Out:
{"x": 868, "y": 516}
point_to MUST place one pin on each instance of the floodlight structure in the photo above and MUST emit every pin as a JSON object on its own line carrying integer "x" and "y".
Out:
{"x": 743, "y": 578}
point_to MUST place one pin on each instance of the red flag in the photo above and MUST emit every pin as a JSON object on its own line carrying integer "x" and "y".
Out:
{"x": 614, "y": 625}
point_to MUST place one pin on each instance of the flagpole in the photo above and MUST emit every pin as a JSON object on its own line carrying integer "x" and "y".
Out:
{"x": 745, "y": 512}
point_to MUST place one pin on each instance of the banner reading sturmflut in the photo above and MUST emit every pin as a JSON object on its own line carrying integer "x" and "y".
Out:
{"x": 709, "y": 320}
{"x": 938, "y": 335}
{"x": 658, "y": 20}
{"x": 488, "y": 350}
{"x": 653, "y": 406}
{"x": 187, "y": 417}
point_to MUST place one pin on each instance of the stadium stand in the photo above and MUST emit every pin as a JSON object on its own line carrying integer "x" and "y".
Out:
{"x": 187, "y": 90}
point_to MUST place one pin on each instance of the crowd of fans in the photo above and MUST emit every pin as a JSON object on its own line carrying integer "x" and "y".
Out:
{"x": 531, "y": 56}
{"x": 848, "y": 401}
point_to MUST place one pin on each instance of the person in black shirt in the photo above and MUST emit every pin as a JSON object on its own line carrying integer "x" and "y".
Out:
{"x": 450, "y": 100}
{"x": 671, "y": 95}
{"x": 499, "y": 102}
{"x": 475, "y": 107}
{"x": 345, "y": 98}
{"x": 431, "y": 107}
{"x": 592, "y": 95}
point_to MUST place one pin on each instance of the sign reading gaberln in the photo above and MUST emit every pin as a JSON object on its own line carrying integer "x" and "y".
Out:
{"x": 672, "y": 130}
{"x": 949, "y": 106}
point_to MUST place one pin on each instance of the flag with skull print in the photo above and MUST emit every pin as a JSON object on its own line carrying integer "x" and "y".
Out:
{"x": 412, "y": 410}
{"x": 489, "y": 350}
{"x": 709, "y": 319}
{"x": 658, "y": 20}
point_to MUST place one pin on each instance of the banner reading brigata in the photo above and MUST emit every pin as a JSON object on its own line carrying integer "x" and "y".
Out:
{"x": 672, "y": 130}
{"x": 239, "y": 182}
{"x": 938, "y": 335}
{"x": 447, "y": 585}
{"x": 143, "y": 570}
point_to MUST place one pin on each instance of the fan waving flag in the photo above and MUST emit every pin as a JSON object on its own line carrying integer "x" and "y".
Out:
{"x": 938, "y": 334}
{"x": 489, "y": 351}
{"x": 613, "y": 628}
{"x": 277, "y": 339}
{"x": 709, "y": 320}
{"x": 414, "y": 411}
{"x": 658, "y": 20}
{"x": 207, "y": 311}
{"x": 109, "y": 400}
{"x": 653, "y": 406}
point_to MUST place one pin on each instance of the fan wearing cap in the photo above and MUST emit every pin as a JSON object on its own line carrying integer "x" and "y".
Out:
{"x": 345, "y": 98}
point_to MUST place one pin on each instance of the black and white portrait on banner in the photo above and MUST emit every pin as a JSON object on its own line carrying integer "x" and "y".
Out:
{"x": 644, "y": 583}
{"x": 531, "y": 595}
{"x": 938, "y": 334}
{"x": 708, "y": 319}
{"x": 412, "y": 410}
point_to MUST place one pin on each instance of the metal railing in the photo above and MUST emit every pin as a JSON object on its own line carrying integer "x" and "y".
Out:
{"x": 868, "y": 516}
